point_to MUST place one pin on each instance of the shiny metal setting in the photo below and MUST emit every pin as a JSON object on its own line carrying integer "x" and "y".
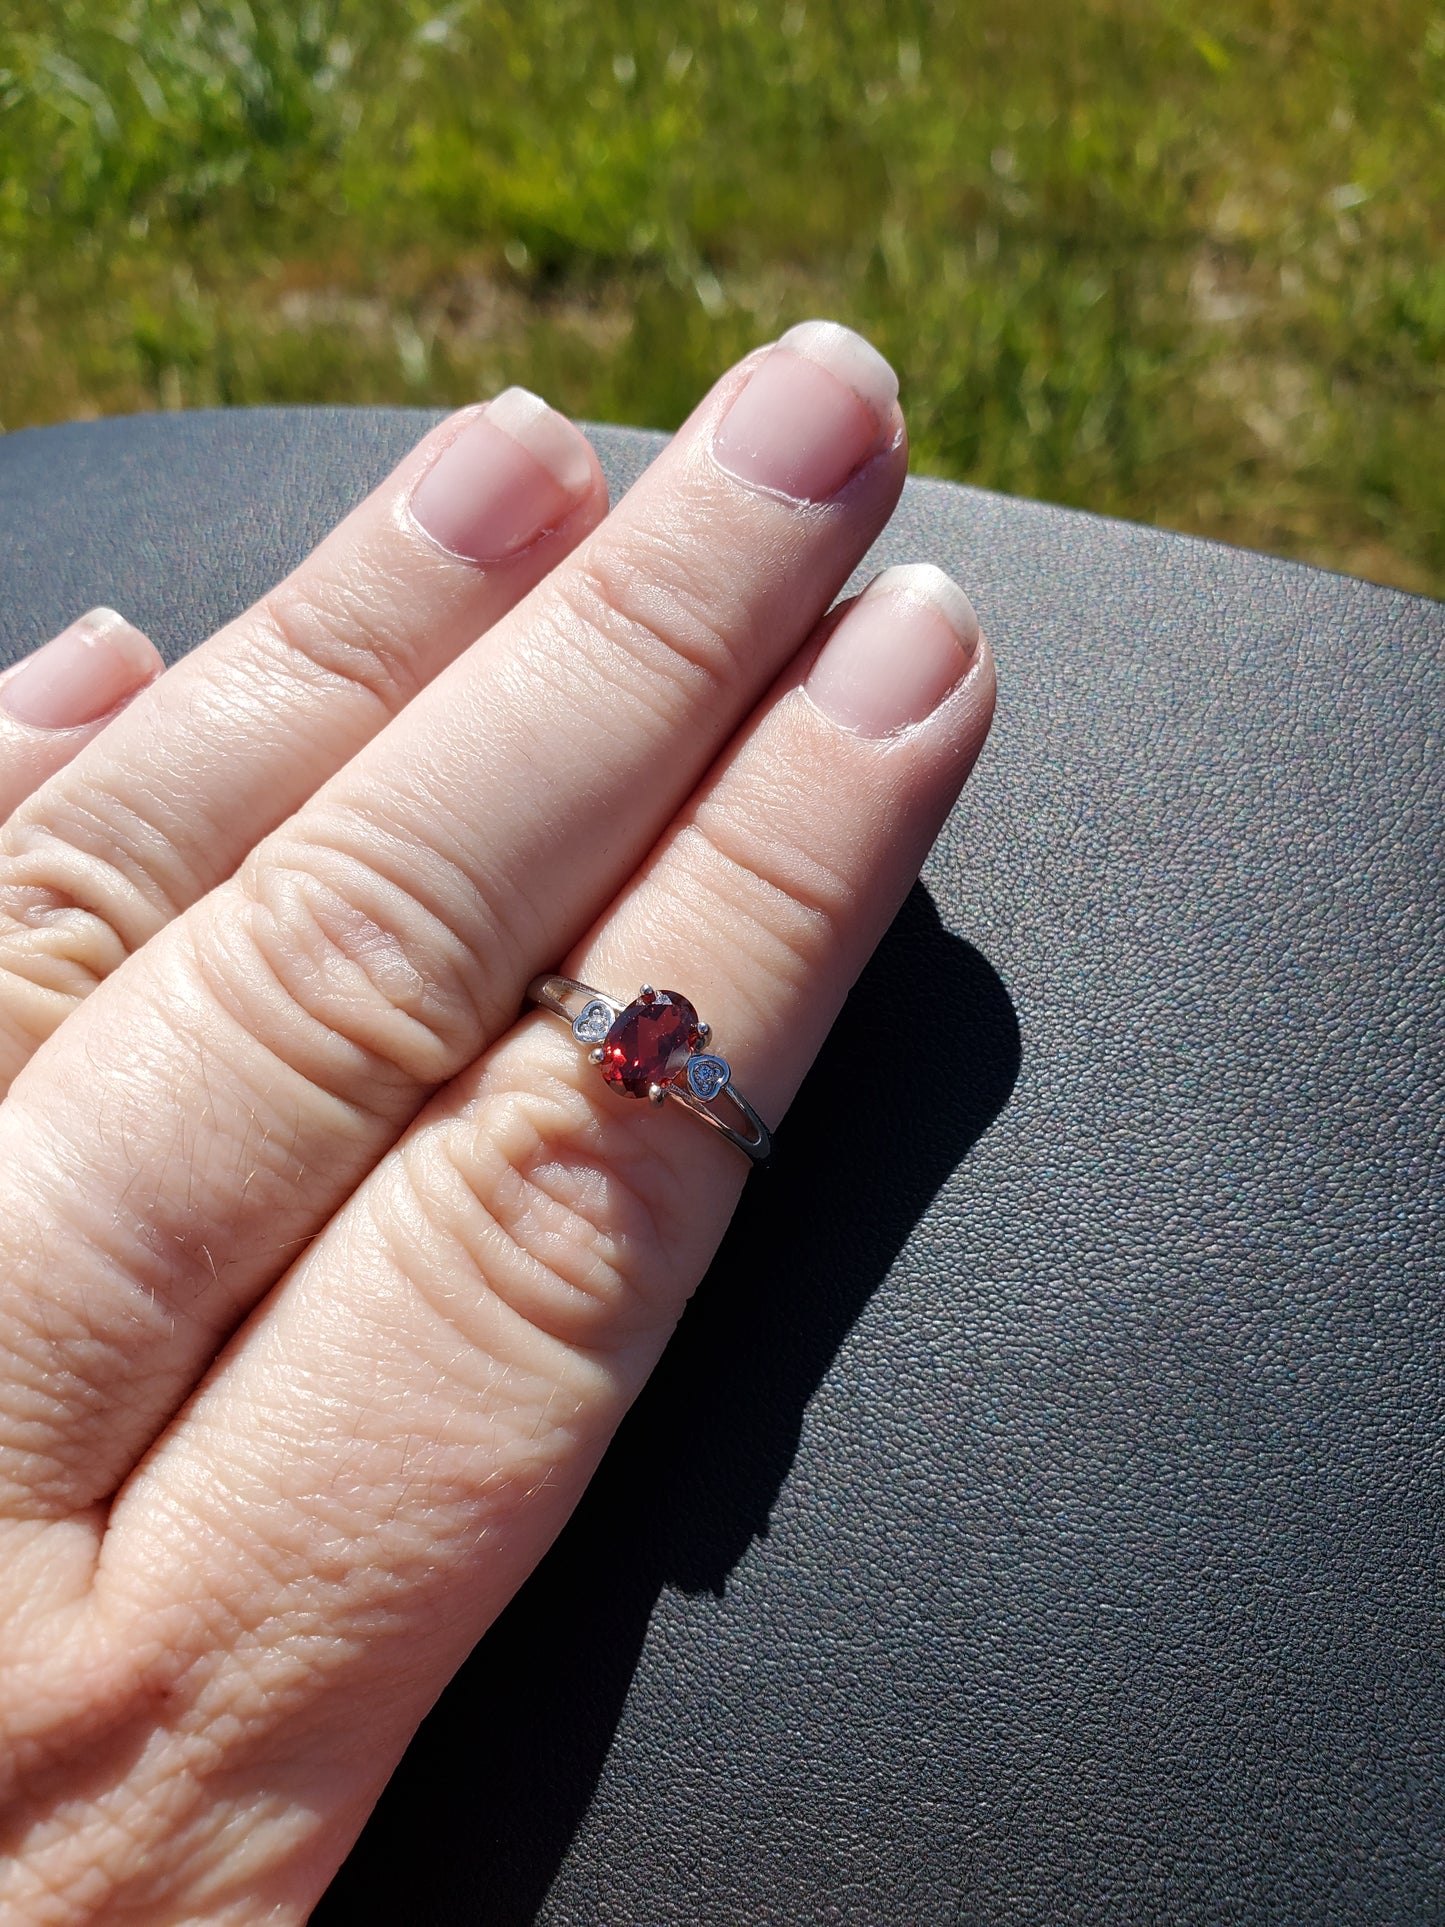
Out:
{"x": 704, "y": 1072}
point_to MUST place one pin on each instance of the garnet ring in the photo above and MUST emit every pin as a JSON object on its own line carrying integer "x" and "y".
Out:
{"x": 655, "y": 1047}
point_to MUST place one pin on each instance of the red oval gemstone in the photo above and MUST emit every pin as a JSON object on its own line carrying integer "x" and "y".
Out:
{"x": 649, "y": 1042}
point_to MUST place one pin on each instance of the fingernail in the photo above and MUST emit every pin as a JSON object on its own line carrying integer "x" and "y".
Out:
{"x": 817, "y": 405}
{"x": 81, "y": 673}
{"x": 517, "y": 469}
{"x": 905, "y": 643}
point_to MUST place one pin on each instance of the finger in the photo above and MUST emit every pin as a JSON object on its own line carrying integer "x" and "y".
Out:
{"x": 374, "y": 1467}
{"x": 240, "y": 732}
{"x": 59, "y": 698}
{"x": 208, "y": 1108}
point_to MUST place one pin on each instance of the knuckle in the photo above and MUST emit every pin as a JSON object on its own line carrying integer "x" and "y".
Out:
{"x": 84, "y": 1700}
{"x": 371, "y": 977}
{"x": 62, "y": 936}
{"x": 78, "y": 895}
{"x": 99, "y": 855}
{"x": 73, "y": 1702}
{"x": 652, "y": 596}
{"x": 571, "y": 1220}
{"x": 344, "y": 634}
{"x": 783, "y": 907}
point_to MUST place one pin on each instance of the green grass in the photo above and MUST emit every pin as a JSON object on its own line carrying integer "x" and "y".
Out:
{"x": 1177, "y": 261}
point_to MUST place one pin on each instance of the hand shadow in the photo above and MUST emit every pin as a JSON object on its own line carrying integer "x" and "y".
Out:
{"x": 473, "y": 1830}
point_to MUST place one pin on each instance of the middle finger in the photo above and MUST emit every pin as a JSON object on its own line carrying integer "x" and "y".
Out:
{"x": 211, "y": 1105}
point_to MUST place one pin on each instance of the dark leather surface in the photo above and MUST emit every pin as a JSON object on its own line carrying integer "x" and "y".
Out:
{"x": 1038, "y": 1516}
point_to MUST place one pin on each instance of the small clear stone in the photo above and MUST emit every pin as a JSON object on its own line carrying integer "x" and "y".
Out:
{"x": 593, "y": 1024}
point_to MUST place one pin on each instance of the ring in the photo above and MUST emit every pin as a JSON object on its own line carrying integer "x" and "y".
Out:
{"x": 654, "y": 1047}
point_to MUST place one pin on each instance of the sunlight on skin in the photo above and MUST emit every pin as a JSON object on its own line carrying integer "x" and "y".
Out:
{"x": 327, "y": 1277}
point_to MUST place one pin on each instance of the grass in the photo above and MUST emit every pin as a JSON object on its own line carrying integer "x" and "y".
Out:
{"x": 1170, "y": 260}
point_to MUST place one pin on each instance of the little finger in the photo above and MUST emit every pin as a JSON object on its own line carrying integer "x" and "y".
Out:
{"x": 61, "y": 696}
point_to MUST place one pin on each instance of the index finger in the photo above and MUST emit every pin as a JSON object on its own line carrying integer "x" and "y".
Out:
{"x": 62, "y": 695}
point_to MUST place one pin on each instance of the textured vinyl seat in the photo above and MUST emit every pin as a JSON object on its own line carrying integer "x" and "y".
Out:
{"x": 1038, "y": 1516}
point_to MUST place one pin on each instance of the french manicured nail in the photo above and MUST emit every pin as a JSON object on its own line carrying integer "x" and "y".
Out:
{"x": 817, "y": 405}
{"x": 82, "y": 673}
{"x": 517, "y": 469}
{"x": 903, "y": 645}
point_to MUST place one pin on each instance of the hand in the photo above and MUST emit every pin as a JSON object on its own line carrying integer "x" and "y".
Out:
{"x": 327, "y": 1275}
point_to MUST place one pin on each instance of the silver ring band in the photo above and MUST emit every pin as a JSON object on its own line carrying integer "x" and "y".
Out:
{"x": 667, "y": 1062}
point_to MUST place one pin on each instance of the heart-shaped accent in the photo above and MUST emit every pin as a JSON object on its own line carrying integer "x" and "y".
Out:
{"x": 594, "y": 1023}
{"x": 707, "y": 1075}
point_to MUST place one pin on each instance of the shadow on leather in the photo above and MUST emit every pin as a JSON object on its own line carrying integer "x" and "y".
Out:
{"x": 480, "y": 1813}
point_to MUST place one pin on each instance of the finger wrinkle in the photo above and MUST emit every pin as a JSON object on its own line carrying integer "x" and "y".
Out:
{"x": 354, "y": 636}
{"x": 544, "y": 680}
{"x": 787, "y": 883}
{"x": 67, "y": 911}
{"x": 281, "y": 966}
{"x": 775, "y": 945}
{"x": 487, "y": 925}
{"x": 74, "y": 835}
{"x": 458, "y": 1257}
{"x": 640, "y": 604}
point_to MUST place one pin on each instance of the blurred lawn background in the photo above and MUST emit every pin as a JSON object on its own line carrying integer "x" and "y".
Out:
{"x": 1178, "y": 260}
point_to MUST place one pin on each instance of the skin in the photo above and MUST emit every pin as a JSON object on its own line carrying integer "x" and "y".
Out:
{"x": 327, "y": 1275}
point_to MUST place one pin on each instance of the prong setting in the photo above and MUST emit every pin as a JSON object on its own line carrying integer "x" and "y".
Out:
{"x": 656, "y": 1054}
